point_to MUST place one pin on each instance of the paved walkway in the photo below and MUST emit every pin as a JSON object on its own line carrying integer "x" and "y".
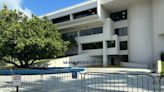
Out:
{"x": 118, "y": 70}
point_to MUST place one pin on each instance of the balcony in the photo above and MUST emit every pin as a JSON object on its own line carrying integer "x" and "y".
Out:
{"x": 61, "y": 19}
{"x": 85, "y": 13}
{"x": 112, "y": 51}
{"x": 90, "y": 38}
{"x": 94, "y": 19}
{"x": 93, "y": 52}
{"x": 94, "y": 48}
{"x": 81, "y": 18}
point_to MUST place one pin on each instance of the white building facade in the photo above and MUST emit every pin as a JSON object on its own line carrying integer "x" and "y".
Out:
{"x": 127, "y": 32}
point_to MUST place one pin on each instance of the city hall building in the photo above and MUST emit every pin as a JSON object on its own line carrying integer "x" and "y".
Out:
{"x": 126, "y": 32}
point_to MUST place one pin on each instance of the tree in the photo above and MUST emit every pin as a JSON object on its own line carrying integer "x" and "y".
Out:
{"x": 24, "y": 40}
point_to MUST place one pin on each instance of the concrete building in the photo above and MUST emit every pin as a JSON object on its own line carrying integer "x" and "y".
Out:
{"x": 126, "y": 32}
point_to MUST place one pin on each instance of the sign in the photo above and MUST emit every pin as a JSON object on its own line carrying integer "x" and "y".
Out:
{"x": 16, "y": 80}
{"x": 74, "y": 75}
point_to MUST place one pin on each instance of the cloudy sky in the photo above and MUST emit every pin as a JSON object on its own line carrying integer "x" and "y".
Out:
{"x": 15, "y": 4}
{"x": 38, "y": 7}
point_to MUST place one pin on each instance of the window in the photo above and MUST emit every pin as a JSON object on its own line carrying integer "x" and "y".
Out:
{"x": 66, "y": 36}
{"x": 61, "y": 19}
{"x": 91, "y": 31}
{"x": 123, "y": 45}
{"x": 117, "y": 16}
{"x": 110, "y": 44}
{"x": 121, "y": 31}
{"x": 85, "y": 13}
{"x": 124, "y": 58}
{"x": 96, "y": 45}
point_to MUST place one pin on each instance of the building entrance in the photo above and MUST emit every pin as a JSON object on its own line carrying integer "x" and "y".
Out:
{"x": 112, "y": 61}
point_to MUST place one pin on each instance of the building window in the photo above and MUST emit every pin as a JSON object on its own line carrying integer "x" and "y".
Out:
{"x": 85, "y": 13}
{"x": 61, "y": 19}
{"x": 117, "y": 16}
{"x": 121, "y": 31}
{"x": 96, "y": 45}
{"x": 124, "y": 58}
{"x": 70, "y": 35}
{"x": 123, "y": 45}
{"x": 91, "y": 31}
{"x": 111, "y": 44}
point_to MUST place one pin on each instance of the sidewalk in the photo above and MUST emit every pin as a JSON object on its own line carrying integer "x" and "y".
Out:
{"x": 118, "y": 70}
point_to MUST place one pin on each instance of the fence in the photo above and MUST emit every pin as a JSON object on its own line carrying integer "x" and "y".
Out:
{"x": 87, "y": 82}
{"x": 161, "y": 83}
{"x": 43, "y": 83}
{"x": 118, "y": 82}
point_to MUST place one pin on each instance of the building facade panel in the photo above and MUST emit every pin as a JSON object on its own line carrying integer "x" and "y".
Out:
{"x": 158, "y": 37}
{"x": 140, "y": 32}
{"x": 132, "y": 30}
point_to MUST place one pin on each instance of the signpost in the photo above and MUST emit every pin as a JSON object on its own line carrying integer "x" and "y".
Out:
{"x": 17, "y": 81}
{"x": 74, "y": 75}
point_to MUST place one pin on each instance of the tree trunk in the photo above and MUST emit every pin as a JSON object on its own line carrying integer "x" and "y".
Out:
{"x": 26, "y": 64}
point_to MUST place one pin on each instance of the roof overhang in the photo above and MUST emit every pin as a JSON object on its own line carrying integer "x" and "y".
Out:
{"x": 117, "y": 5}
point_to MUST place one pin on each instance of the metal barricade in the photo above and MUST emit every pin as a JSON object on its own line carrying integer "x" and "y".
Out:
{"x": 87, "y": 82}
{"x": 60, "y": 82}
{"x": 161, "y": 83}
{"x": 6, "y": 84}
{"x": 119, "y": 82}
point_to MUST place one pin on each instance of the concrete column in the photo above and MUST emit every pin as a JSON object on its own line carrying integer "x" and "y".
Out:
{"x": 79, "y": 48}
{"x": 105, "y": 57}
{"x": 140, "y": 32}
{"x": 158, "y": 13}
{"x": 79, "y": 45}
{"x": 108, "y": 29}
{"x": 71, "y": 17}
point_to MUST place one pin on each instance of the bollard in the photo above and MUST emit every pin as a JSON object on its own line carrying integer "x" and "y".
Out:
{"x": 17, "y": 88}
{"x": 42, "y": 83}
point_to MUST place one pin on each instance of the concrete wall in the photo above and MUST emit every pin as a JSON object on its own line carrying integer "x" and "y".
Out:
{"x": 158, "y": 26}
{"x": 140, "y": 30}
{"x": 80, "y": 60}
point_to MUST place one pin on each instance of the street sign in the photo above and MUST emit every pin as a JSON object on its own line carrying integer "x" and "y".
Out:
{"x": 74, "y": 75}
{"x": 16, "y": 80}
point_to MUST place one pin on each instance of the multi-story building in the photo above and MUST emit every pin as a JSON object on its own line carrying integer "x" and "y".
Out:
{"x": 127, "y": 31}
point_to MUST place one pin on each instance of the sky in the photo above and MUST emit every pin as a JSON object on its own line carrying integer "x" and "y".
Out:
{"x": 38, "y": 7}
